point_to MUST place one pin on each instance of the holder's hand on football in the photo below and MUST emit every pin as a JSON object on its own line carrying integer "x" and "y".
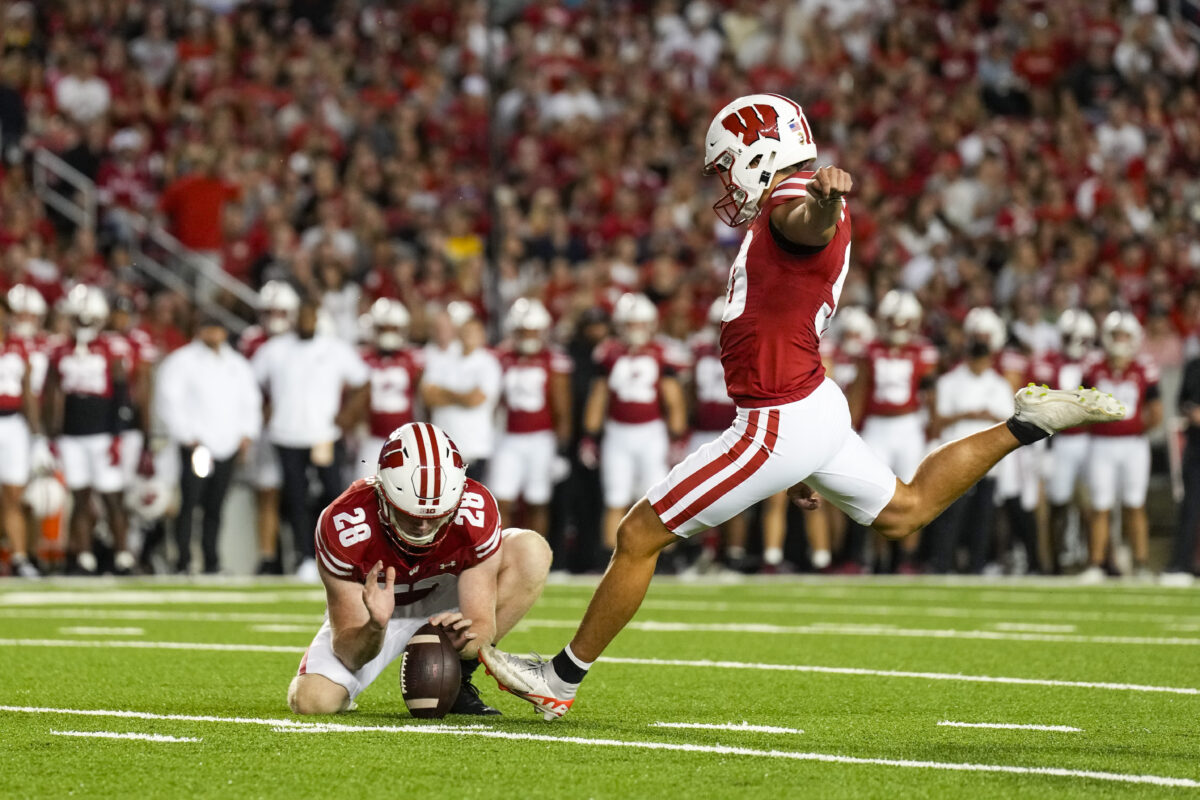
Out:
{"x": 380, "y": 601}
{"x": 457, "y": 627}
{"x": 802, "y": 496}
{"x": 828, "y": 184}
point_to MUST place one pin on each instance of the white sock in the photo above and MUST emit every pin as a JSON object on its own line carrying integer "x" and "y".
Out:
{"x": 821, "y": 559}
{"x": 736, "y": 552}
{"x": 579, "y": 662}
{"x": 773, "y": 555}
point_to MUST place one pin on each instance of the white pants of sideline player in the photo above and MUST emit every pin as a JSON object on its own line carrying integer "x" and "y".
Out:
{"x": 633, "y": 457}
{"x": 1119, "y": 468}
{"x": 87, "y": 463}
{"x": 1068, "y": 462}
{"x": 319, "y": 658}
{"x": 767, "y": 450}
{"x": 899, "y": 441}
{"x": 15, "y": 444}
{"x": 522, "y": 466}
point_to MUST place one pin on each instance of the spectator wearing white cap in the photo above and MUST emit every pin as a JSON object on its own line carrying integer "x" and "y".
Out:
{"x": 211, "y": 406}
{"x": 306, "y": 375}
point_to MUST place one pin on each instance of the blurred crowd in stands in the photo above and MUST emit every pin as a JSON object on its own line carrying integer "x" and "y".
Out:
{"x": 1027, "y": 156}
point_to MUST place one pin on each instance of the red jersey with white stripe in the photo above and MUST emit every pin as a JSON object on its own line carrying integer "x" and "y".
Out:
{"x": 14, "y": 363}
{"x": 394, "y": 379}
{"x": 38, "y": 348}
{"x": 134, "y": 348}
{"x": 633, "y": 379}
{"x": 1134, "y": 385}
{"x": 251, "y": 339}
{"x": 86, "y": 374}
{"x": 1015, "y": 366}
{"x": 894, "y": 376}
{"x": 715, "y": 411}
{"x": 1059, "y": 372}
{"x": 350, "y": 539}
{"x": 526, "y": 387}
{"x": 779, "y": 301}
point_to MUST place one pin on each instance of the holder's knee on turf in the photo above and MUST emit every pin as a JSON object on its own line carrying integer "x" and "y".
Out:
{"x": 316, "y": 694}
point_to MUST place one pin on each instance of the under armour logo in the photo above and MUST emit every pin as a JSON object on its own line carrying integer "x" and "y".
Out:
{"x": 443, "y": 566}
{"x": 413, "y": 571}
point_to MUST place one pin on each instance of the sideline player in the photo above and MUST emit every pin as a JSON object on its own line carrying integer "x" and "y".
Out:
{"x": 793, "y": 427}
{"x": 536, "y": 392}
{"x": 1119, "y": 462}
{"x": 395, "y": 374}
{"x": 419, "y": 541}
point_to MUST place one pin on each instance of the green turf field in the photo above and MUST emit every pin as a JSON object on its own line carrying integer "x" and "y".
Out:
{"x": 843, "y": 686}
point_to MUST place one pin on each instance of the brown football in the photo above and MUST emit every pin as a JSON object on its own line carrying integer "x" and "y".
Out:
{"x": 430, "y": 673}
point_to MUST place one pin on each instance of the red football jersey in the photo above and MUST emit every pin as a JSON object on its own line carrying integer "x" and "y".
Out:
{"x": 350, "y": 540}
{"x": 251, "y": 339}
{"x": 132, "y": 348}
{"x": 1010, "y": 362}
{"x": 779, "y": 301}
{"x": 38, "y": 348}
{"x": 1059, "y": 372}
{"x": 715, "y": 411}
{"x": 394, "y": 379}
{"x": 14, "y": 363}
{"x": 894, "y": 376}
{"x": 526, "y": 387}
{"x": 633, "y": 376}
{"x": 1134, "y": 386}
{"x": 86, "y": 378}
{"x": 843, "y": 366}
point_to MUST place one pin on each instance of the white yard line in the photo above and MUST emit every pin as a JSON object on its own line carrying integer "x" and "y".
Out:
{"x": 145, "y": 737}
{"x": 1189, "y": 622}
{"x": 85, "y": 630}
{"x": 698, "y": 664}
{"x": 1033, "y": 627}
{"x": 1010, "y": 726}
{"x": 293, "y": 726}
{"x": 215, "y": 646}
{"x": 726, "y": 726}
{"x": 887, "y": 673}
{"x": 152, "y": 597}
{"x": 830, "y": 629}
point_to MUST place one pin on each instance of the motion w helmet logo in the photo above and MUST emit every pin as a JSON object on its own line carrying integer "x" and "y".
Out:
{"x": 753, "y": 123}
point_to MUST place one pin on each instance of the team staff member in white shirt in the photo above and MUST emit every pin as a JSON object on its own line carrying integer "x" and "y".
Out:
{"x": 971, "y": 397}
{"x": 461, "y": 393}
{"x": 211, "y": 406}
{"x": 306, "y": 375}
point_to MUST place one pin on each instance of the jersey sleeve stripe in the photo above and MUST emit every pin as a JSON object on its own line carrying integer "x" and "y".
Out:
{"x": 495, "y": 537}
{"x": 341, "y": 573}
{"x": 323, "y": 548}
{"x": 790, "y": 193}
{"x": 490, "y": 546}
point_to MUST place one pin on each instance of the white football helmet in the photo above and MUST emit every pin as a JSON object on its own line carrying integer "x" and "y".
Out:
{"x": 748, "y": 141}
{"x": 88, "y": 308}
{"x": 900, "y": 313}
{"x": 389, "y": 323}
{"x": 855, "y": 330}
{"x": 45, "y": 495}
{"x": 460, "y": 312}
{"x": 148, "y": 498}
{"x": 1078, "y": 331}
{"x": 527, "y": 322}
{"x": 419, "y": 482}
{"x": 635, "y": 317}
{"x": 279, "y": 304}
{"x": 28, "y": 308}
{"x": 984, "y": 323}
{"x": 1121, "y": 335}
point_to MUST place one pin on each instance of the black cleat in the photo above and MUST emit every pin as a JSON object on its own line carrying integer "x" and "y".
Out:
{"x": 469, "y": 702}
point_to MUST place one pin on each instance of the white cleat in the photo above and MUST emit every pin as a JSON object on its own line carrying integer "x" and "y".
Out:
{"x": 1176, "y": 580}
{"x": 1054, "y": 410}
{"x": 1092, "y": 576}
{"x": 531, "y": 679}
{"x": 307, "y": 572}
